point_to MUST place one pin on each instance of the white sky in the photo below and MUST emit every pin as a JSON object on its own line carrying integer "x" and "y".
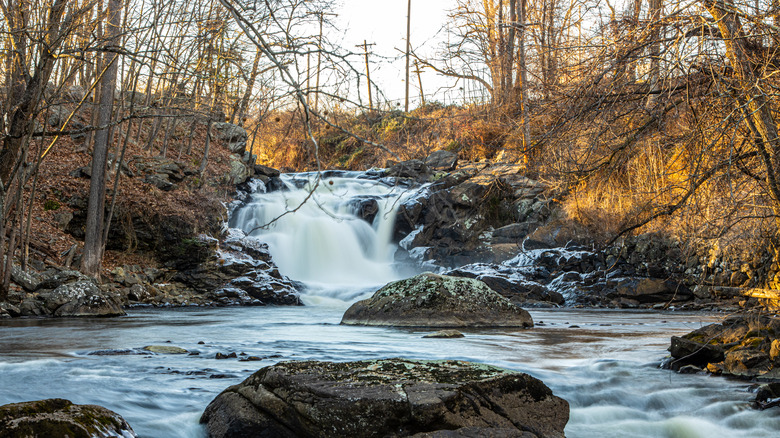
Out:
{"x": 383, "y": 22}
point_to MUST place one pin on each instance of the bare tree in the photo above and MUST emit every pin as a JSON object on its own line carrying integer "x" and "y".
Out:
{"x": 93, "y": 240}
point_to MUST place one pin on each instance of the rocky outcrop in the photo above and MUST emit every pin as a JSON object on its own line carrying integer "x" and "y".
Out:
{"x": 746, "y": 346}
{"x": 60, "y": 293}
{"x": 235, "y": 271}
{"x": 239, "y": 172}
{"x": 386, "y": 398}
{"x": 233, "y": 136}
{"x": 239, "y": 271}
{"x": 61, "y": 418}
{"x": 161, "y": 172}
{"x": 442, "y": 160}
{"x": 429, "y": 300}
{"x": 453, "y": 221}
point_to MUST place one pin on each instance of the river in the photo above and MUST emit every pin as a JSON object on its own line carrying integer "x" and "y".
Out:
{"x": 607, "y": 368}
{"x": 605, "y": 363}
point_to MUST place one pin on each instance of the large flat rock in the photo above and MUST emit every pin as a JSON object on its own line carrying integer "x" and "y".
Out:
{"x": 386, "y": 398}
{"x": 429, "y": 300}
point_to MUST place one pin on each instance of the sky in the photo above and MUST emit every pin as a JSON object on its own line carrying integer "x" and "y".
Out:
{"x": 383, "y": 23}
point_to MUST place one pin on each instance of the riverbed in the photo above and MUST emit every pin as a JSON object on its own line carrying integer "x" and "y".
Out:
{"x": 605, "y": 363}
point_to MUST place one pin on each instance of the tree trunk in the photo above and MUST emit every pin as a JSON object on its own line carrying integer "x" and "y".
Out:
{"x": 93, "y": 239}
{"x": 242, "y": 109}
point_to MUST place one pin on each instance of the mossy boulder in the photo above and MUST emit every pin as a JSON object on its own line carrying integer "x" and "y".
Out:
{"x": 429, "y": 300}
{"x": 386, "y": 398}
{"x": 60, "y": 418}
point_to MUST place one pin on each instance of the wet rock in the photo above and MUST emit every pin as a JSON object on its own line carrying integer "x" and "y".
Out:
{"x": 768, "y": 395}
{"x": 165, "y": 349}
{"x": 392, "y": 397}
{"x": 429, "y": 300}
{"x": 61, "y": 418}
{"x": 266, "y": 171}
{"x": 442, "y": 160}
{"x": 365, "y": 207}
{"x": 445, "y": 334}
{"x": 688, "y": 352}
{"x": 690, "y": 369}
{"x": 222, "y": 356}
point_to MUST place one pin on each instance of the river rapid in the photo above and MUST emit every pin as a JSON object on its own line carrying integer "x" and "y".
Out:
{"x": 604, "y": 362}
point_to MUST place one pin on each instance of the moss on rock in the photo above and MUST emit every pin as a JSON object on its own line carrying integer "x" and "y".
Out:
{"x": 430, "y": 300}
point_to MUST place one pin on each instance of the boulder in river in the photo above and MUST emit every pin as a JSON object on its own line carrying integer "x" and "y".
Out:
{"x": 61, "y": 418}
{"x": 386, "y": 398}
{"x": 430, "y": 300}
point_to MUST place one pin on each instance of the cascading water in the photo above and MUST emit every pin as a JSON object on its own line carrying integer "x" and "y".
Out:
{"x": 332, "y": 232}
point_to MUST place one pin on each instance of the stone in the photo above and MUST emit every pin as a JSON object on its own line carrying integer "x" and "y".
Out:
{"x": 688, "y": 352}
{"x": 652, "y": 290}
{"x": 512, "y": 233}
{"x": 768, "y": 392}
{"x": 159, "y": 181}
{"x": 239, "y": 172}
{"x": 234, "y": 136}
{"x": 386, "y": 398}
{"x": 58, "y": 114}
{"x": 74, "y": 93}
{"x": 365, "y": 207}
{"x": 445, "y": 334}
{"x": 82, "y": 298}
{"x": 61, "y": 418}
{"x": 746, "y": 362}
{"x": 220, "y": 356}
{"x": 413, "y": 169}
{"x": 429, "y": 300}
{"x": 165, "y": 349}
{"x": 269, "y": 172}
{"x": 442, "y": 160}
{"x": 27, "y": 280}
{"x": 774, "y": 349}
{"x": 689, "y": 369}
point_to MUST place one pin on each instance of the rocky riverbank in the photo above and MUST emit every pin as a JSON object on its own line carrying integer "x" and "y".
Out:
{"x": 742, "y": 346}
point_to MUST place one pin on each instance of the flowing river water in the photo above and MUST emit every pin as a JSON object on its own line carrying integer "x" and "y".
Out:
{"x": 605, "y": 363}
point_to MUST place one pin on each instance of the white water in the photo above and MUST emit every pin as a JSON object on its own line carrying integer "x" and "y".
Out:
{"x": 315, "y": 236}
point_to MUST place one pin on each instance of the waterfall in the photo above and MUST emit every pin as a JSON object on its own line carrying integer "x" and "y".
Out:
{"x": 332, "y": 233}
